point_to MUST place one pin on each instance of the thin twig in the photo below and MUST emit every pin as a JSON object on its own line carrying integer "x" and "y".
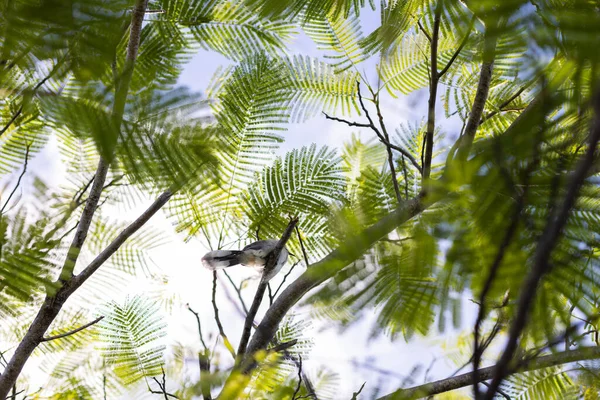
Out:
{"x": 389, "y": 151}
{"x": 284, "y": 278}
{"x": 199, "y": 326}
{"x": 62, "y": 335}
{"x": 380, "y": 137}
{"x": 262, "y": 286}
{"x": 284, "y": 346}
{"x": 405, "y": 177}
{"x": 18, "y": 180}
{"x": 302, "y": 247}
{"x": 355, "y": 394}
{"x": 226, "y": 341}
{"x": 238, "y": 290}
{"x": 458, "y": 50}
{"x": 349, "y": 123}
{"x": 271, "y": 296}
{"x": 297, "y": 391}
{"x": 501, "y": 106}
{"x": 427, "y": 35}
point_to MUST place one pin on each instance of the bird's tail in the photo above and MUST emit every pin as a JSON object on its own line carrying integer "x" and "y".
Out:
{"x": 220, "y": 259}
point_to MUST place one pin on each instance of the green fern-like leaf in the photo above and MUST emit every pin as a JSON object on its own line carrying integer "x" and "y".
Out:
{"x": 131, "y": 333}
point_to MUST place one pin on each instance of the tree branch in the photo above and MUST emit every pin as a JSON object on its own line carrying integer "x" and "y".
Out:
{"x": 501, "y": 106}
{"x": 203, "y": 360}
{"x": 457, "y": 52}
{"x": 547, "y": 242}
{"x": 238, "y": 291}
{"x": 380, "y": 137}
{"x": 484, "y": 374}
{"x": 483, "y": 89}
{"x": 226, "y": 341}
{"x": 349, "y": 123}
{"x": 433, "y": 86}
{"x": 55, "y": 300}
{"x": 260, "y": 291}
{"x": 62, "y": 335}
{"x": 351, "y": 249}
{"x": 297, "y": 391}
{"x": 302, "y": 247}
{"x": 12, "y": 193}
{"x": 389, "y": 150}
{"x": 493, "y": 271}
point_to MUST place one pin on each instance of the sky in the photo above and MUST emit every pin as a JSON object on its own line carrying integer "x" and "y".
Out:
{"x": 355, "y": 357}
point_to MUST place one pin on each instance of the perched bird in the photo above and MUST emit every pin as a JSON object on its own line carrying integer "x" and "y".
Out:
{"x": 254, "y": 255}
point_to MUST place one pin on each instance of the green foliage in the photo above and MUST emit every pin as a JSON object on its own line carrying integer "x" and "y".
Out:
{"x": 305, "y": 184}
{"x": 60, "y": 64}
{"x": 550, "y": 383}
{"x": 131, "y": 334}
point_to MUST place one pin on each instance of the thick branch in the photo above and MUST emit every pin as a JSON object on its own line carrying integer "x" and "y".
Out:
{"x": 546, "y": 244}
{"x": 466, "y": 379}
{"x": 483, "y": 89}
{"x": 354, "y": 247}
{"x": 62, "y": 335}
{"x": 117, "y": 242}
{"x": 262, "y": 286}
{"x": 54, "y": 301}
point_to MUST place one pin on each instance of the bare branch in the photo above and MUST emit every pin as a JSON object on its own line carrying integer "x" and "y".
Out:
{"x": 284, "y": 346}
{"x": 483, "y": 88}
{"x": 349, "y": 123}
{"x": 427, "y": 35}
{"x": 299, "y": 379}
{"x": 199, "y": 326}
{"x": 226, "y": 341}
{"x": 484, "y": 374}
{"x": 203, "y": 360}
{"x": 12, "y": 120}
{"x": 284, "y": 278}
{"x": 302, "y": 247}
{"x": 62, "y": 335}
{"x": 389, "y": 150}
{"x": 238, "y": 290}
{"x": 260, "y": 291}
{"x": 433, "y": 86}
{"x": 12, "y": 193}
{"x": 458, "y": 50}
{"x": 78, "y": 280}
{"x": 380, "y": 136}
{"x": 355, "y": 394}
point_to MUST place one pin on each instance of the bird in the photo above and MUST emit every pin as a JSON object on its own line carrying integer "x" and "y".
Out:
{"x": 254, "y": 255}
